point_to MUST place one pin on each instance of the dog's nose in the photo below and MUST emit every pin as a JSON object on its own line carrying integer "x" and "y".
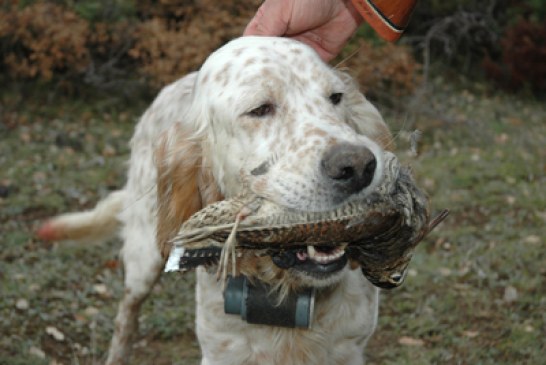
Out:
{"x": 350, "y": 167}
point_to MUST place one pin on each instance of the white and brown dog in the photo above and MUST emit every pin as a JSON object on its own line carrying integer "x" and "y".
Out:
{"x": 266, "y": 113}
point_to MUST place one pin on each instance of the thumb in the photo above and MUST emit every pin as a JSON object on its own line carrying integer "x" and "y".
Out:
{"x": 270, "y": 19}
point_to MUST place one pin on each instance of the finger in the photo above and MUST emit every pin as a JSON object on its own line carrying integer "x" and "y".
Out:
{"x": 270, "y": 19}
{"x": 314, "y": 43}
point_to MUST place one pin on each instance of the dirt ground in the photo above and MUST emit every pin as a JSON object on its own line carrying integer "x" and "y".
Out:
{"x": 475, "y": 294}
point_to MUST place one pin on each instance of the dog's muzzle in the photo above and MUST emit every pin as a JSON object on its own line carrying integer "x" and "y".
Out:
{"x": 256, "y": 303}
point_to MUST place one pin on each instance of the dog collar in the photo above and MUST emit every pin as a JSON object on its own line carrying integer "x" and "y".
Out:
{"x": 256, "y": 303}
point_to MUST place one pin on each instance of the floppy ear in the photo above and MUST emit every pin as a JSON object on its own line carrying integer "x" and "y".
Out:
{"x": 364, "y": 117}
{"x": 184, "y": 183}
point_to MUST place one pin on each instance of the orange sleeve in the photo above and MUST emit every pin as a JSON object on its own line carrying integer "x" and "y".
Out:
{"x": 388, "y": 18}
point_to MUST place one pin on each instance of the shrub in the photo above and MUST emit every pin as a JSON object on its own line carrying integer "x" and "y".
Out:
{"x": 503, "y": 36}
{"x": 43, "y": 39}
{"x": 523, "y": 60}
{"x": 177, "y": 39}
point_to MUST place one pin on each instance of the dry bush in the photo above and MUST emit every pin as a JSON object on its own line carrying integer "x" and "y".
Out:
{"x": 386, "y": 70}
{"x": 110, "y": 68}
{"x": 160, "y": 40}
{"x": 108, "y": 38}
{"x": 43, "y": 39}
{"x": 169, "y": 46}
{"x": 180, "y": 34}
{"x": 175, "y": 10}
{"x": 523, "y": 59}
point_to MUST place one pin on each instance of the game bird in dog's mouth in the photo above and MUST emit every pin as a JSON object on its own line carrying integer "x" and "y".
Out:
{"x": 378, "y": 232}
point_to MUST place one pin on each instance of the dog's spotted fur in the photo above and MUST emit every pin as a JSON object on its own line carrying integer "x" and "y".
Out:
{"x": 259, "y": 115}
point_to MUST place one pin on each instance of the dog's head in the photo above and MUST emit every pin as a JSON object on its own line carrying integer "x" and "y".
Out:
{"x": 272, "y": 118}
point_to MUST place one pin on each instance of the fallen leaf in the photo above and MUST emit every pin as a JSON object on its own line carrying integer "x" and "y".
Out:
{"x": 111, "y": 264}
{"x": 25, "y": 137}
{"x": 109, "y": 151}
{"x": 532, "y": 239}
{"x": 91, "y": 311}
{"x": 429, "y": 183}
{"x": 410, "y": 341}
{"x": 501, "y": 138}
{"x": 515, "y": 121}
{"x": 471, "y": 334}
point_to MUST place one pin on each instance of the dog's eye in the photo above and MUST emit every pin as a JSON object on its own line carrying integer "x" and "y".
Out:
{"x": 335, "y": 98}
{"x": 262, "y": 110}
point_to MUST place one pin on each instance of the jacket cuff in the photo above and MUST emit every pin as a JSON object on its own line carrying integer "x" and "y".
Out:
{"x": 388, "y": 18}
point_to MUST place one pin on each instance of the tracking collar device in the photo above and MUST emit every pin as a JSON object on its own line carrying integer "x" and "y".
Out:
{"x": 256, "y": 304}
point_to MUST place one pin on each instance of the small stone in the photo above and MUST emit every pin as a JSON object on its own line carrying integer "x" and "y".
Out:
{"x": 81, "y": 350}
{"x": 510, "y": 294}
{"x": 102, "y": 290}
{"x": 55, "y": 333}
{"x": 38, "y": 352}
{"x": 22, "y": 304}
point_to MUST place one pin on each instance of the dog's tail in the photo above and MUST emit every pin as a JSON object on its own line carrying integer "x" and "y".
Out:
{"x": 94, "y": 225}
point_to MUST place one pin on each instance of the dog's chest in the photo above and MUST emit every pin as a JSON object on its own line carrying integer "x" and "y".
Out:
{"x": 344, "y": 320}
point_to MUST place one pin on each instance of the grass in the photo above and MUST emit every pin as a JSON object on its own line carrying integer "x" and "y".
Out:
{"x": 475, "y": 294}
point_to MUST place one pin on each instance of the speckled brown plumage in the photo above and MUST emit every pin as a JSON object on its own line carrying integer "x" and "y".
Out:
{"x": 381, "y": 230}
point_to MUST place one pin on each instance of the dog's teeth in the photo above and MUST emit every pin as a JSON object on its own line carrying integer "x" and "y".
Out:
{"x": 324, "y": 258}
{"x": 311, "y": 252}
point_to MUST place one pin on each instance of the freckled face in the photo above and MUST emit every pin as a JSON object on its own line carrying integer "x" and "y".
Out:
{"x": 274, "y": 110}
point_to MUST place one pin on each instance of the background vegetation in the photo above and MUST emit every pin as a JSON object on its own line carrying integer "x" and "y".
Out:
{"x": 470, "y": 75}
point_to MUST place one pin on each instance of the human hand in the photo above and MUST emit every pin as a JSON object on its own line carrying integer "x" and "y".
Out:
{"x": 325, "y": 25}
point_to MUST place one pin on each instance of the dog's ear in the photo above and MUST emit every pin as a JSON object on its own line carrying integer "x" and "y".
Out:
{"x": 184, "y": 183}
{"x": 364, "y": 117}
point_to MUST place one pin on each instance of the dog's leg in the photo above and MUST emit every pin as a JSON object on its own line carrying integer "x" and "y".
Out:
{"x": 143, "y": 264}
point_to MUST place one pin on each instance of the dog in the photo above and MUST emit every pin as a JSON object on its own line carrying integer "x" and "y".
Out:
{"x": 267, "y": 115}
